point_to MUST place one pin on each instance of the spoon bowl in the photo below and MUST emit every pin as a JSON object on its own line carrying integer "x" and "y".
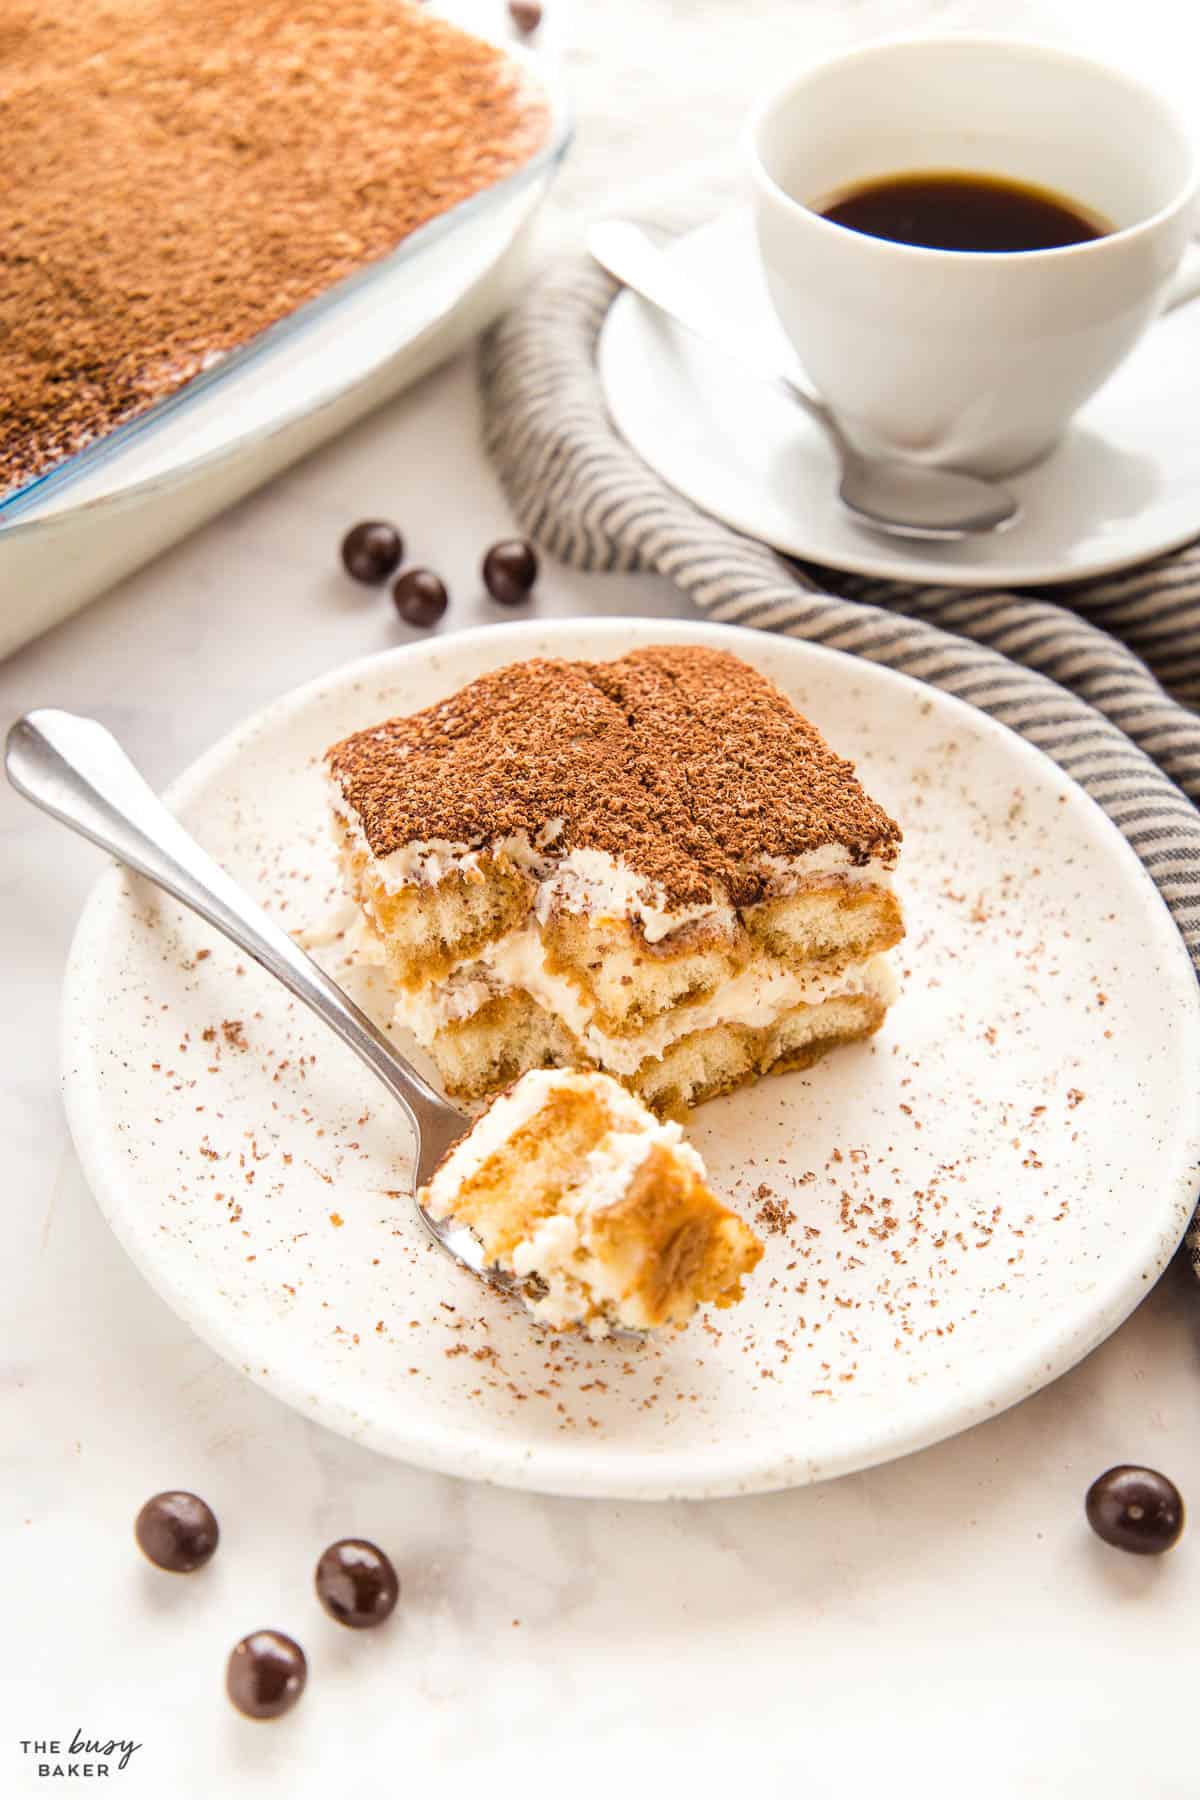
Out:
{"x": 908, "y": 500}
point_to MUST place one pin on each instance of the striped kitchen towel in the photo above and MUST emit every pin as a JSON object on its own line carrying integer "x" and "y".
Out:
{"x": 1103, "y": 678}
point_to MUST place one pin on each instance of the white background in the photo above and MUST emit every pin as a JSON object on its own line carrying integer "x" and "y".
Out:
{"x": 943, "y": 1626}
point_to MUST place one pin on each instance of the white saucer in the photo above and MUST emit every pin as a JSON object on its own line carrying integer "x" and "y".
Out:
{"x": 981, "y": 1193}
{"x": 1123, "y": 486}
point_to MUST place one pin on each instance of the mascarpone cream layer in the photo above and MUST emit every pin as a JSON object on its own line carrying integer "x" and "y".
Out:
{"x": 756, "y": 997}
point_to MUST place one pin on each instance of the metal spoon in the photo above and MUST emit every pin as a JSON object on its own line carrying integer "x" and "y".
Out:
{"x": 907, "y": 499}
{"x": 77, "y": 772}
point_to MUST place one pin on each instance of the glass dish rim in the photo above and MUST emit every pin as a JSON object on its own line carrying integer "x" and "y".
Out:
{"x": 17, "y": 505}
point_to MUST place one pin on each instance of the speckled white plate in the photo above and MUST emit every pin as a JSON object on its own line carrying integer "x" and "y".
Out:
{"x": 980, "y": 1194}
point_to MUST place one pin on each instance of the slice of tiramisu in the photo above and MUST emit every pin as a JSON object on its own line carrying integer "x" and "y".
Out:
{"x": 653, "y": 866}
{"x": 599, "y": 1215}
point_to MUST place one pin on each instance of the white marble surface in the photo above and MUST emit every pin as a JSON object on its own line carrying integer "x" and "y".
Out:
{"x": 940, "y": 1626}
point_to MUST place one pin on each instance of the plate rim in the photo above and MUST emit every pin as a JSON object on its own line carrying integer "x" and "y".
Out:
{"x": 710, "y": 1472}
{"x": 895, "y": 559}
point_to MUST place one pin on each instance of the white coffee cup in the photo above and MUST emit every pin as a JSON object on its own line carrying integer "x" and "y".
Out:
{"x": 975, "y": 359}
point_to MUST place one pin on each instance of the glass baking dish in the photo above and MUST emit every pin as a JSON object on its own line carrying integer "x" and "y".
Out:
{"x": 191, "y": 419}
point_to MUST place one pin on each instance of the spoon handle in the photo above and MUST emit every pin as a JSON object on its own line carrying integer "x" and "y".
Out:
{"x": 77, "y": 772}
{"x": 633, "y": 259}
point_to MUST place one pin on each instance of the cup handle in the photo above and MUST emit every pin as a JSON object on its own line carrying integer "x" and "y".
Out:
{"x": 1185, "y": 283}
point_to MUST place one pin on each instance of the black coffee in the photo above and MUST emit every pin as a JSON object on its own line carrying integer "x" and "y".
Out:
{"x": 946, "y": 210}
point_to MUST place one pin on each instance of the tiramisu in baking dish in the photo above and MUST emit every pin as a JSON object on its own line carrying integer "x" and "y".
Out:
{"x": 653, "y": 867}
{"x": 181, "y": 174}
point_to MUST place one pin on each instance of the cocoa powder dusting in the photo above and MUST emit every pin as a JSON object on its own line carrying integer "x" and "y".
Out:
{"x": 180, "y": 174}
{"x": 773, "y": 1215}
{"x": 683, "y": 762}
